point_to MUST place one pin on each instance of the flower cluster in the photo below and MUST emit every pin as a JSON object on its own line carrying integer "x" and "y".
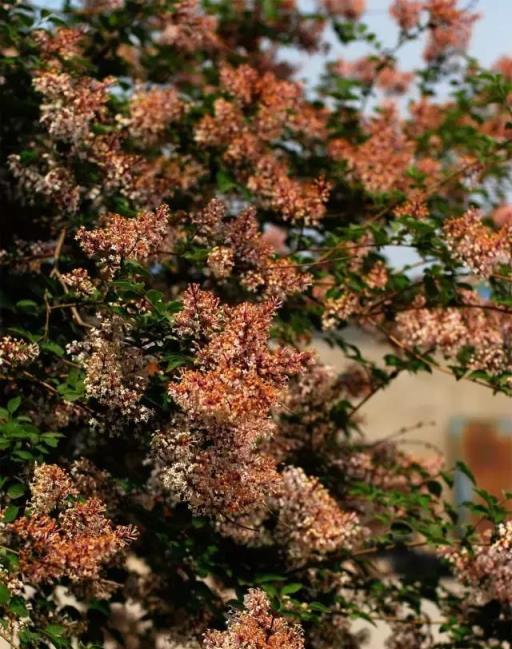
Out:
{"x": 483, "y": 332}
{"x": 114, "y": 373}
{"x": 310, "y": 523}
{"x": 14, "y": 351}
{"x": 350, "y": 9}
{"x": 384, "y": 465}
{"x": 151, "y": 112}
{"x": 487, "y": 567}
{"x": 187, "y": 29}
{"x": 125, "y": 239}
{"x": 471, "y": 242}
{"x": 49, "y": 179}
{"x": 63, "y": 44}
{"x": 64, "y": 536}
{"x": 449, "y": 28}
{"x": 211, "y": 454}
{"x": 340, "y": 309}
{"x": 415, "y": 205}
{"x": 297, "y": 201}
{"x": 71, "y": 105}
{"x": 406, "y": 13}
{"x": 243, "y": 250}
{"x": 261, "y": 108}
{"x": 79, "y": 281}
{"x": 256, "y": 627}
{"x": 381, "y": 161}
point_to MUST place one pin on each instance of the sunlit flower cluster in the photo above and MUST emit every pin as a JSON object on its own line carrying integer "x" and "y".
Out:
{"x": 125, "y": 239}
{"x": 79, "y": 281}
{"x": 209, "y": 457}
{"x": 151, "y": 112}
{"x": 477, "y": 246}
{"x": 187, "y": 29}
{"x": 70, "y": 105}
{"x": 449, "y": 28}
{"x": 484, "y": 333}
{"x": 350, "y": 9}
{"x": 381, "y": 161}
{"x": 15, "y": 351}
{"x": 310, "y": 523}
{"x": 260, "y": 110}
{"x": 487, "y": 567}
{"x": 63, "y": 44}
{"x": 256, "y": 627}
{"x": 64, "y": 536}
{"x": 243, "y": 250}
{"x": 406, "y": 12}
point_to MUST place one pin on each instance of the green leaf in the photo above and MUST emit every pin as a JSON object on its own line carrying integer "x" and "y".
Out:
{"x": 463, "y": 468}
{"x": 52, "y": 347}
{"x": 13, "y": 405}
{"x": 27, "y": 306}
{"x": 16, "y": 490}
{"x": 5, "y": 595}
{"x": 10, "y": 513}
{"x": 290, "y": 589}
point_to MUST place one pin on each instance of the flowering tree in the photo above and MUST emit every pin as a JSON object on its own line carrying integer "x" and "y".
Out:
{"x": 182, "y": 221}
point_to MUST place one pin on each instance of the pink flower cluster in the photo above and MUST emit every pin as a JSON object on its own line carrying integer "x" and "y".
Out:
{"x": 65, "y": 537}
{"x": 449, "y": 28}
{"x": 125, "y": 239}
{"x": 114, "y": 374}
{"x": 488, "y": 567}
{"x": 256, "y": 627}
{"x": 209, "y": 456}
{"x": 350, "y": 9}
{"x": 381, "y": 161}
{"x": 480, "y": 248}
{"x": 243, "y": 250}
{"x": 310, "y": 523}
{"x": 484, "y": 331}
{"x": 260, "y": 109}
{"x": 14, "y": 351}
{"x": 406, "y": 13}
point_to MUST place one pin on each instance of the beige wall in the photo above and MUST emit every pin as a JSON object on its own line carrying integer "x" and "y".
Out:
{"x": 415, "y": 398}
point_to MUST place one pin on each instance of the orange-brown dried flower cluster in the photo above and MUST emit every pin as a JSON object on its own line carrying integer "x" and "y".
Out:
{"x": 71, "y": 104}
{"x": 125, "y": 239}
{"x": 210, "y": 456}
{"x": 79, "y": 281}
{"x": 350, "y": 9}
{"x": 381, "y": 161}
{"x": 151, "y": 112}
{"x": 241, "y": 249}
{"x": 63, "y": 44}
{"x": 479, "y": 328}
{"x": 471, "y": 242}
{"x": 256, "y": 627}
{"x": 406, "y": 13}
{"x": 449, "y": 28}
{"x": 63, "y": 536}
{"x": 260, "y": 110}
{"x": 188, "y": 29}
